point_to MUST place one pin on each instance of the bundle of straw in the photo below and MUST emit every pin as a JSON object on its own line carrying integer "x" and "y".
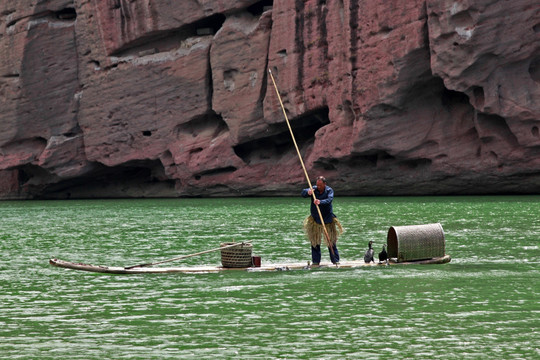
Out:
{"x": 315, "y": 231}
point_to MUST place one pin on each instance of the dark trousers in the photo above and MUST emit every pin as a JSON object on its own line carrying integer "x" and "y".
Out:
{"x": 316, "y": 254}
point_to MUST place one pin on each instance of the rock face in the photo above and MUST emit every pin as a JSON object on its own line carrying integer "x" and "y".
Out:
{"x": 120, "y": 98}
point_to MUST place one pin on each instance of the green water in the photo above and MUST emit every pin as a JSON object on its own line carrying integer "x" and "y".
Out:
{"x": 482, "y": 305}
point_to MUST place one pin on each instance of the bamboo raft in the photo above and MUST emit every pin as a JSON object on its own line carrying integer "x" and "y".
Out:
{"x": 216, "y": 269}
{"x": 407, "y": 245}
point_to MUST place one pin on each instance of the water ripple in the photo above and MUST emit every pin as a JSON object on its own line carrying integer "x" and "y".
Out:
{"x": 481, "y": 305}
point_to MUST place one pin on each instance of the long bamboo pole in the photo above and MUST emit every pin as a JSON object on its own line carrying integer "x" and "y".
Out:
{"x": 188, "y": 256}
{"x": 302, "y": 163}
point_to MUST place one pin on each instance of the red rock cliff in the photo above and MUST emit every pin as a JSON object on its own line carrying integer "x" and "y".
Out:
{"x": 159, "y": 98}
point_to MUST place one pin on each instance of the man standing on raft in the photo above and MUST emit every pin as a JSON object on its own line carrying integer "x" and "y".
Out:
{"x": 312, "y": 225}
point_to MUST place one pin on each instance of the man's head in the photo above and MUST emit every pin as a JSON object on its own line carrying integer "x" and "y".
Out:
{"x": 321, "y": 183}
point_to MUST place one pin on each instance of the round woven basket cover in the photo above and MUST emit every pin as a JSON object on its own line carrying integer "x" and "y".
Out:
{"x": 416, "y": 242}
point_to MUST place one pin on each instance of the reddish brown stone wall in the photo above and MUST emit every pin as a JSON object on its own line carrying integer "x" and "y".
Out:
{"x": 161, "y": 98}
{"x": 9, "y": 184}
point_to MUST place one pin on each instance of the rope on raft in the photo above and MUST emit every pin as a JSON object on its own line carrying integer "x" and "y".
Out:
{"x": 315, "y": 231}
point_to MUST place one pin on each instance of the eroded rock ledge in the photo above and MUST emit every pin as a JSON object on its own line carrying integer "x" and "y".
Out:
{"x": 156, "y": 98}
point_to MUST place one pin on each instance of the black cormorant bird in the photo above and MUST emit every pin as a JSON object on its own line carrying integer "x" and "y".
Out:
{"x": 368, "y": 257}
{"x": 383, "y": 255}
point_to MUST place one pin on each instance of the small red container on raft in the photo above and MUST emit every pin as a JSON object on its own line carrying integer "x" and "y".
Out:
{"x": 256, "y": 261}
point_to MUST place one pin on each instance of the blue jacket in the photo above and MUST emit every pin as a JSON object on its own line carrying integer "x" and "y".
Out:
{"x": 326, "y": 198}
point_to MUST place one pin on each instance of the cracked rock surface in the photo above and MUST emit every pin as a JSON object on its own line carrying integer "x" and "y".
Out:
{"x": 121, "y": 98}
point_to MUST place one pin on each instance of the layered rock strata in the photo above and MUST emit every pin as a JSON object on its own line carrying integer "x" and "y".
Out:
{"x": 122, "y": 98}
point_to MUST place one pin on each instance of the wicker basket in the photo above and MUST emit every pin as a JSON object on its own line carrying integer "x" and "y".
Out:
{"x": 416, "y": 242}
{"x": 237, "y": 256}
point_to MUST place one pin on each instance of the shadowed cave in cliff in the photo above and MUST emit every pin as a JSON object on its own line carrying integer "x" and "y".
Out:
{"x": 446, "y": 104}
{"x": 534, "y": 68}
{"x": 259, "y": 7}
{"x": 378, "y": 159}
{"x": 168, "y": 40}
{"x": 279, "y": 143}
{"x": 139, "y": 178}
{"x": 66, "y": 14}
{"x": 208, "y": 125}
